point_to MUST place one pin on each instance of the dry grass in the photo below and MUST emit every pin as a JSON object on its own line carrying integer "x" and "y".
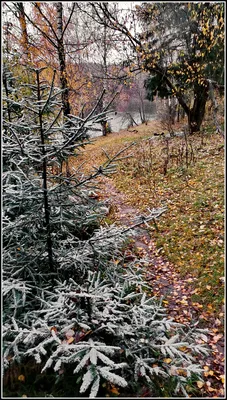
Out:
{"x": 189, "y": 178}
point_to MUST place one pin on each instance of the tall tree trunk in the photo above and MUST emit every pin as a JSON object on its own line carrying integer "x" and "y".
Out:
{"x": 104, "y": 123}
{"x": 44, "y": 170}
{"x": 24, "y": 36}
{"x": 8, "y": 46}
{"x": 61, "y": 56}
{"x": 5, "y": 84}
{"x": 63, "y": 73}
{"x": 197, "y": 112}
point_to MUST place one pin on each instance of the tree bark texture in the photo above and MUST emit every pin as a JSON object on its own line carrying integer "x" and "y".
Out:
{"x": 45, "y": 192}
{"x": 197, "y": 112}
{"x": 24, "y": 36}
{"x": 62, "y": 63}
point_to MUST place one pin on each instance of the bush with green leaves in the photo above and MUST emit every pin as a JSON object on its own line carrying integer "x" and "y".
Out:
{"x": 67, "y": 302}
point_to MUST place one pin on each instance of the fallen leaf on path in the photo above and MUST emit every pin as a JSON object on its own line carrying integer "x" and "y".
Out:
{"x": 167, "y": 360}
{"x": 217, "y": 338}
{"x": 200, "y": 384}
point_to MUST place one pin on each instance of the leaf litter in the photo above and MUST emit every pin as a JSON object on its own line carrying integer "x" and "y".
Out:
{"x": 165, "y": 281}
{"x": 179, "y": 290}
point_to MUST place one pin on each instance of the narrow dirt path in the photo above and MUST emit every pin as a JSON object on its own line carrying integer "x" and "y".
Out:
{"x": 160, "y": 274}
{"x": 177, "y": 292}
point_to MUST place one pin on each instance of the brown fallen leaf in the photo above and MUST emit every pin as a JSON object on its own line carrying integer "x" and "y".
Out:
{"x": 217, "y": 338}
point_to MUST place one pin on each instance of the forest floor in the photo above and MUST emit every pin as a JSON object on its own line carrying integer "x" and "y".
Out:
{"x": 184, "y": 249}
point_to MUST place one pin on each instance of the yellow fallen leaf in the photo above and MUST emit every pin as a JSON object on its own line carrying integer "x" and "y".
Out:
{"x": 70, "y": 340}
{"x": 183, "y": 348}
{"x": 21, "y": 378}
{"x": 211, "y": 389}
{"x": 167, "y": 360}
{"x": 200, "y": 384}
{"x": 181, "y": 372}
{"x": 208, "y": 287}
{"x": 184, "y": 302}
{"x": 114, "y": 390}
{"x": 222, "y": 378}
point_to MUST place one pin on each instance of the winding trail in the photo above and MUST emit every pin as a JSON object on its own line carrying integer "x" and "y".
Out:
{"x": 176, "y": 290}
{"x": 160, "y": 274}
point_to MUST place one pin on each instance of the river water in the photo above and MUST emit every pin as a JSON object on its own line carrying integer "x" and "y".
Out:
{"x": 120, "y": 120}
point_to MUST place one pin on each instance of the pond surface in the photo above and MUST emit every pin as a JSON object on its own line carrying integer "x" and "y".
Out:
{"x": 121, "y": 120}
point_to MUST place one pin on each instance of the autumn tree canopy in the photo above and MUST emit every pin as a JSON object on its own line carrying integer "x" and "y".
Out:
{"x": 95, "y": 46}
{"x": 177, "y": 44}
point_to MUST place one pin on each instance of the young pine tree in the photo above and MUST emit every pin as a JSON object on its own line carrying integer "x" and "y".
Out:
{"x": 67, "y": 303}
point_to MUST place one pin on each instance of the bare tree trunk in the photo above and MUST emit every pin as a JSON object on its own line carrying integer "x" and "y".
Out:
{"x": 44, "y": 170}
{"x": 104, "y": 123}
{"x": 61, "y": 56}
{"x": 56, "y": 41}
{"x": 23, "y": 25}
{"x": 197, "y": 112}
{"x": 7, "y": 38}
{"x": 5, "y": 84}
{"x": 63, "y": 73}
{"x": 141, "y": 108}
